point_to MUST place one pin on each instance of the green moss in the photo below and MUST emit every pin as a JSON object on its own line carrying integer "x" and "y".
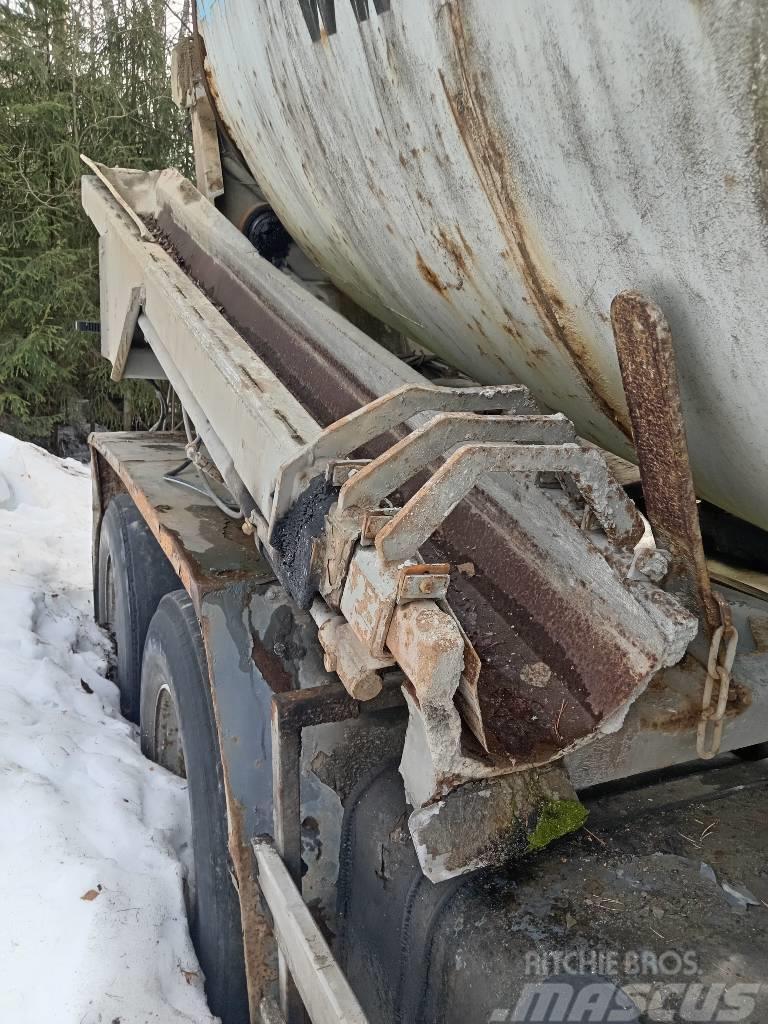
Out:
{"x": 556, "y": 818}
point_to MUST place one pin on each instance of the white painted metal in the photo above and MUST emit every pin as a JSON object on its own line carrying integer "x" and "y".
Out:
{"x": 324, "y": 990}
{"x": 270, "y": 1012}
{"x": 215, "y": 447}
{"x": 378, "y": 417}
{"x": 487, "y": 175}
{"x": 259, "y": 424}
{"x": 374, "y": 481}
{"x": 412, "y": 526}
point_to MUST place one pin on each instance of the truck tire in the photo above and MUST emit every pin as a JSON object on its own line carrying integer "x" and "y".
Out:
{"x": 178, "y": 730}
{"x": 133, "y": 575}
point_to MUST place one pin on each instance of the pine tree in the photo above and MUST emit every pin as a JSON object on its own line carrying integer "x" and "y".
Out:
{"x": 75, "y": 76}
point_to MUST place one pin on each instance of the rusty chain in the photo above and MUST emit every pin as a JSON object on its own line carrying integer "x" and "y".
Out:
{"x": 722, "y": 651}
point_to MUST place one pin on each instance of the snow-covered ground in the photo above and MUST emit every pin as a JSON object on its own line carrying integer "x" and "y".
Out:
{"x": 92, "y": 921}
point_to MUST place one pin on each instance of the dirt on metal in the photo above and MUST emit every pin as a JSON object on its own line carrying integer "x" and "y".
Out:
{"x": 314, "y": 378}
{"x": 214, "y": 552}
{"x": 685, "y": 719}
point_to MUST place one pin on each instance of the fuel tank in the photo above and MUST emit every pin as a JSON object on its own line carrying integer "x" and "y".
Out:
{"x": 486, "y": 175}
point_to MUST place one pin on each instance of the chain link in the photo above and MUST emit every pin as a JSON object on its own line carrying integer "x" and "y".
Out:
{"x": 722, "y": 651}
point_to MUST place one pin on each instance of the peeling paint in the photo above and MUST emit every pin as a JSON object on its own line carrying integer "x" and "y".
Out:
{"x": 574, "y": 155}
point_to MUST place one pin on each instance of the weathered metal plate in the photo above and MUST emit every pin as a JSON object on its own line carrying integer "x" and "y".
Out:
{"x": 212, "y": 370}
{"x": 207, "y": 549}
{"x": 487, "y": 175}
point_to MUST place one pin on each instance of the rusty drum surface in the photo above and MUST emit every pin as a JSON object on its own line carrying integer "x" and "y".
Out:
{"x": 486, "y": 175}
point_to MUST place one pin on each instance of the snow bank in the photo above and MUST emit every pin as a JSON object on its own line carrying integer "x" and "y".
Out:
{"x": 93, "y": 928}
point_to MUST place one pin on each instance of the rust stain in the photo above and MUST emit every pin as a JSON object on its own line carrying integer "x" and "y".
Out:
{"x": 687, "y": 718}
{"x": 271, "y": 667}
{"x": 430, "y": 276}
{"x": 590, "y": 675}
{"x": 259, "y": 948}
{"x": 198, "y": 579}
{"x": 479, "y": 328}
{"x": 452, "y": 249}
{"x": 295, "y": 435}
{"x": 758, "y": 627}
{"x": 469, "y": 111}
{"x": 251, "y": 378}
{"x": 258, "y": 941}
{"x": 470, "y": 251}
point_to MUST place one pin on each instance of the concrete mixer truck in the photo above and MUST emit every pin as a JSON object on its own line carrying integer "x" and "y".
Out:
{"x": 442, "y": 576}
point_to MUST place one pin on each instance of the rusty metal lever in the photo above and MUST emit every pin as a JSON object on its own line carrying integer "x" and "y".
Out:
{"x": 649, "y": 374}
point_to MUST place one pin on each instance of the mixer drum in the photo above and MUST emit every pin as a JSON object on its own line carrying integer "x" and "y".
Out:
{"x": 485, "y": 176}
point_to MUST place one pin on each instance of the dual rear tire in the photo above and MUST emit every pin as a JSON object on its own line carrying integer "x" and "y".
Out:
{"x": 162, "y": 676}
{"x": 133, "y": 575}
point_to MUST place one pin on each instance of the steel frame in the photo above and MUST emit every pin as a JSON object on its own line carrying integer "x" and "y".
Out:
{"x": 320, "y": 985}
{"x": 291, "y": 714}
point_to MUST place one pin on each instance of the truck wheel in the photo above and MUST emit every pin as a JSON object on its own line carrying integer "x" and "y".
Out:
{"x": 133, "y": 575}
{"x": 178, "y": 731}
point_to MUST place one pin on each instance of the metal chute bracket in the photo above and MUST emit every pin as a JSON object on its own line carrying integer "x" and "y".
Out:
{"x": 415, "y": 523}
{"x": 473, "y": 445}
{"x": 357, "y": 429}
{"x": 398, "y": 607}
